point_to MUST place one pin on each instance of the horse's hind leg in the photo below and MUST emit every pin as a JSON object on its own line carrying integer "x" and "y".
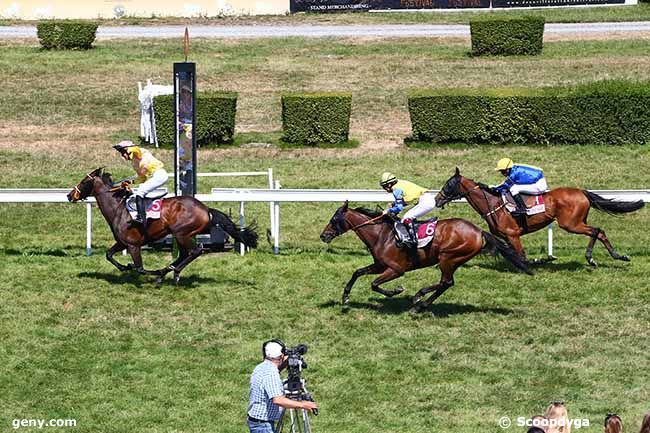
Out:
{"x": 612, "y": 251}
{"x": 388, "y": 275}
{"x": 116, "y": 248}
{"x": 375, "y": 268}
{"x": 447, "y": 269}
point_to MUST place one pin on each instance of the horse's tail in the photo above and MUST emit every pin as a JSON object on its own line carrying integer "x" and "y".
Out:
{"x": 508, "y": 253}
{"x": 612, "y": 206}
{"x": 246, "y": 236}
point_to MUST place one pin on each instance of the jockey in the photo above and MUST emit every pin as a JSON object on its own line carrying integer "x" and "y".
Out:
{"x": 406, "y": 193}
{"x": 520, "y": 178}
{"x": 149, "y": 170}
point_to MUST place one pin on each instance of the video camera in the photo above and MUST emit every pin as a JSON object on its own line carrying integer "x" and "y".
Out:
{"x": 295, "y": 364}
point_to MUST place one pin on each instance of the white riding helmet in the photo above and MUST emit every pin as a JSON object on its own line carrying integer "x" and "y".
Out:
{"x": 388, "y": 179}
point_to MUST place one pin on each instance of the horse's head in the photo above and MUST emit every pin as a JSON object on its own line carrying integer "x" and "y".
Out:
{"x": 450, "y": 191}
{"x": 85, "y": 188}
{"x": 337, "y": 225}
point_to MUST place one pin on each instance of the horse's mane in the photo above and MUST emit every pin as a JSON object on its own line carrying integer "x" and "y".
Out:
{"x": 368, "y": 212}
{"x": 106, "y": 178}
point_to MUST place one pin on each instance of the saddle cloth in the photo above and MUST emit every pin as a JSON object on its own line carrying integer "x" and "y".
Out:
{"x": 154, "y": 206}
{"x": 534, "y": 203}
{"x": 426, "y": 231}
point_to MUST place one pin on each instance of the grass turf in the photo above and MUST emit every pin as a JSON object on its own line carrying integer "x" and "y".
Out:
{"x": 82, "y": 341}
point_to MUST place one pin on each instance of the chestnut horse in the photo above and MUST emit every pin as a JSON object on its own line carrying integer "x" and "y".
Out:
{"x": 569, "y": 206}
{"x": 456, "y": 241}
{"x": 182, "y": 217}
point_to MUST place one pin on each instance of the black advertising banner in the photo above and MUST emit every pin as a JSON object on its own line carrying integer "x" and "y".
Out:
{"x": 536, "y": 3}
{"x": 365, "y": 5}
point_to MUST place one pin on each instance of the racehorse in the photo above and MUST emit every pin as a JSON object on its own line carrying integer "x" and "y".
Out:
{"x": 456, "y": 241}
{"x": 182, "y": 217}
{"x": 568, "y": 206}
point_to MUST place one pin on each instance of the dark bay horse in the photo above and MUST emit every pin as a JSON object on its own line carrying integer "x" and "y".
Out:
{"x": 456, "y": 241}
{"x": 569, "y": 206}
{"x": 182, "y": 217}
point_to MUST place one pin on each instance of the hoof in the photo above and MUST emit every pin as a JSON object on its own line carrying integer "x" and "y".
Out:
{"x": 177, "y": 279}
{"x": 551, "y": 258}
{"x": 592, "y": 263}
{"x": 398, "y": 290}
{"x": 624, "y": 258}
{"x": 345, "y": 301}
{"x": 129, "y": 267}
{"x": 416, "y": 309}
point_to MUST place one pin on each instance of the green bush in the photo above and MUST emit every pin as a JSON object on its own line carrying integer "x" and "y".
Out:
{"x": 66, "y": 35}
{"x": 316, "y": 118}
{"x": 215, "y": 118}
{"x": 507, "y": 36}
{"x": 606, "y": 112}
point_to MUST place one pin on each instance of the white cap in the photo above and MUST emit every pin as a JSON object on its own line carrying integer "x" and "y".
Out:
{"x": 272, "y": 350}
{"x": 125, "y": 143}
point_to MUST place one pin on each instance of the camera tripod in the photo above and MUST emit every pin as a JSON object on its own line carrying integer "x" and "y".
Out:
{"x": 298, "y": 421}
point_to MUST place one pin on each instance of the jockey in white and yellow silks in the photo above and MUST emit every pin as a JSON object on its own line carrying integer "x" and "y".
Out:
{"x": 407, "y": 193}
{"x": 150, "y": 172}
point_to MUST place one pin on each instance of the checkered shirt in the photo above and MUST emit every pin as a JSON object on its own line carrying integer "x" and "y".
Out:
{"x": 265, "y": 384}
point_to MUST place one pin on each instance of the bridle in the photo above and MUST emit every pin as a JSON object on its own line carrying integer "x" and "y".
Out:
{"x": 460, "y": 195}
{"x": 76, "y": 188}
{"x": 339, "y": 220}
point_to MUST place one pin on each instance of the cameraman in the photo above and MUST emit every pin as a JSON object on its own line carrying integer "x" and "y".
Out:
{"x": 266, "y": 394}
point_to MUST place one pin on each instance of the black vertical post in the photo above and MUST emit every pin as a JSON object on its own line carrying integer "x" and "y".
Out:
{"x": 185, "y": 120}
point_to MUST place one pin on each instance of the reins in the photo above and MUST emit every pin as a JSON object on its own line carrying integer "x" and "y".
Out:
{"x": 370, "y": 221}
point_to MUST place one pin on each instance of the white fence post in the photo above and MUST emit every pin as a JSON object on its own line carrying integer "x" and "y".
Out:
{"x": 272, "y": 206}
{"x": 89, "y": 229}
{"x": 276, "y": 212}
{"x": 242, "y": 247}
{"x": 550, "y": 239}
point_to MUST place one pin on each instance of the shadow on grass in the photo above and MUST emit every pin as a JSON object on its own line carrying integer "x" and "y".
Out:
{"x": 402, "y": 305}
{"x": 132, "y": 277}
{"x": 52, "y": 252}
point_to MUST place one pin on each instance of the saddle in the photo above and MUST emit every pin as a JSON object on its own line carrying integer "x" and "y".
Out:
{"x": 534, "y": 203}
{"x": 424, "y": 232}
{"x": 153, "y": 206}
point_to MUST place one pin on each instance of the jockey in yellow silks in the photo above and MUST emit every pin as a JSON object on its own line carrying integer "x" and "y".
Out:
{"x": 150, "y": 172}
{"x": 407, "y": 193}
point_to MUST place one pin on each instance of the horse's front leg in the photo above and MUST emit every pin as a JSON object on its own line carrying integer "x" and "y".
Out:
{"x": 375, "y": 268}
{"x": 136, "y": 255}
{"x": 116, "y": 248}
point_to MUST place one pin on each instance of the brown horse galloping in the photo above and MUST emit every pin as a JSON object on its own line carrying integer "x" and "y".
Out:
{"x": 569, "y": 206}
{"x": 456, "y": 241}
{"x": 182, "y": 217}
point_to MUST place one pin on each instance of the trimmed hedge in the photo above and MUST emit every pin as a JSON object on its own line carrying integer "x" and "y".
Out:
{"x": 315, "y": 118}
{"x": 606, "y": 112}
{"x": 66, "y": 35}
{"x": 215, "y": 118}
{"x": 507, "y": 36}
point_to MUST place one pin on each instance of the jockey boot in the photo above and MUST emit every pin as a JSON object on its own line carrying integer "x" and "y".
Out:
{"x": 521, "y": 206}
{"x": 412, "y": 241}
{"x": 142, "y": 212}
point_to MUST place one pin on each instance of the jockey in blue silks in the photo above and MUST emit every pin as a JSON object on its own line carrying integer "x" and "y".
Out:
{"x": 520, "y": 178}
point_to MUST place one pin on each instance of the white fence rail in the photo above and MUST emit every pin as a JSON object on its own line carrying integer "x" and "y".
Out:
{"x": 274, "y": 197}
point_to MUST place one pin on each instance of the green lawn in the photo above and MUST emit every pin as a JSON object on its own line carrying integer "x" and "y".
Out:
{"x": 81, "y": 340}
